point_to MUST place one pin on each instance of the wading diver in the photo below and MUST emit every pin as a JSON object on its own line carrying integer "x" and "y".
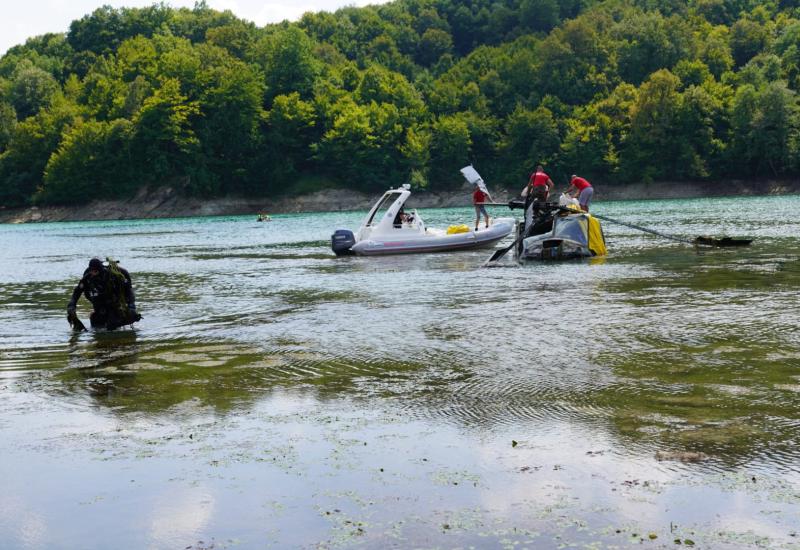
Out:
{"x": 110, "y": 291}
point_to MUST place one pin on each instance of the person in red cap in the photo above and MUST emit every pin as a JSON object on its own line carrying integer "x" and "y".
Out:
{"x": 539, "y": 185}
{"x": 581, "y": 189}
{"x": 110, "y": 290}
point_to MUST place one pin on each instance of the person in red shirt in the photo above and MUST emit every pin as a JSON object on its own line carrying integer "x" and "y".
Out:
{"x": 582, "y": 190}
{"x": 480, "y": 196}
{"x": 539, "y": 185}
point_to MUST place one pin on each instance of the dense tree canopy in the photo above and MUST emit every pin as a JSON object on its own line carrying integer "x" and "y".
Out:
{"x": 409, "y": 91}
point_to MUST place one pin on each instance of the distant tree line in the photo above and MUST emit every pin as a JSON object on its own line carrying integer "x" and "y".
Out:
{"x": 406, "y": 92}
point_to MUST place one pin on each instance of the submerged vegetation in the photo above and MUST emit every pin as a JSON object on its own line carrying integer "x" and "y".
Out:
{"x": 409, "y": 91}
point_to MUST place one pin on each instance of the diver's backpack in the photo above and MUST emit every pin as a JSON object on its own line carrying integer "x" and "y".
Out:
{"x": 115, "y": 296}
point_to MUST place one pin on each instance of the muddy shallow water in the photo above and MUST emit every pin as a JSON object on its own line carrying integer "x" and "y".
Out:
{"x": 277, "y": 396}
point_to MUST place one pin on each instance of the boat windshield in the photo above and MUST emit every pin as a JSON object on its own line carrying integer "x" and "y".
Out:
{"x": 572, "y": 228}
{"x": 383, "y": 206}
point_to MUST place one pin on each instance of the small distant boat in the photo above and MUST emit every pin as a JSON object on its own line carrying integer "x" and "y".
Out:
{"x": 264, "y": 218}
{"x": 388, "y": 229}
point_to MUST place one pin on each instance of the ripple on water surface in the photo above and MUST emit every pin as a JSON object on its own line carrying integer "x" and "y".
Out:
{"x": 275, "y": 393}
{"x": 658, "y": 344}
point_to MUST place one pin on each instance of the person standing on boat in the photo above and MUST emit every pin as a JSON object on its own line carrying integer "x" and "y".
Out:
{"x": 479, "y": 197}
{"x": 581, "y": 189}
{"x": 539, "y": 185}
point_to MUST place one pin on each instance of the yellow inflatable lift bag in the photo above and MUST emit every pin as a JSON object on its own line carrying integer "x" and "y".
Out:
{"x": 453, "y": 229}
{"x": 597, "y": 242}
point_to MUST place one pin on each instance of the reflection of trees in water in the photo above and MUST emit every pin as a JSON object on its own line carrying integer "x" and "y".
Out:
{"x": 683, "y": 399}
{"x": 103, "y": 350}
{"x": 128, "y": 376}
{"x": 769, "y": 270}
{"x": 707, "y": 399}
{"x": 706, "y": 364}
{"x": 44, "y": 295}
{"x": 710, "y": 400}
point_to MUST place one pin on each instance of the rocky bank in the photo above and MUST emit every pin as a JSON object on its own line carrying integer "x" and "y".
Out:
{"x": 166, "y": 202}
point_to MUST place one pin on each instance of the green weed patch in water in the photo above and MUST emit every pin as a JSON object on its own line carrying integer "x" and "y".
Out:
{"x": 224, "y": 376}
{"x": 304, "y": 297}
{"x": 448, "y": 334}
{"x": 42, "y": 296}
{"x": 727, "y": 434}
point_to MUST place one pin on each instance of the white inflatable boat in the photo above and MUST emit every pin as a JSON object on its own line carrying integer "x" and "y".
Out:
{"x": 389, "y": 229}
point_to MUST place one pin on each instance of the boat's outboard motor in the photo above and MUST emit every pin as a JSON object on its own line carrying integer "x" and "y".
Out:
{"x": 341, "y": 242}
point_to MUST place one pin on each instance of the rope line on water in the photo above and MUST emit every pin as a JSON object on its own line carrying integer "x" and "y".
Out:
{"x": 646, "y": 230}
{"x": 631, "y": 225}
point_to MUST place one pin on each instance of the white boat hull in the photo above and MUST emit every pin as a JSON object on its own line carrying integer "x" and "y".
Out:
{"x": 388, "y": 229}
{"x": 433, "y": 242}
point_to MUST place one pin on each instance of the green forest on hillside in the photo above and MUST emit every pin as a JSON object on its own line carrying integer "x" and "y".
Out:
{"x": 405, "y": 92}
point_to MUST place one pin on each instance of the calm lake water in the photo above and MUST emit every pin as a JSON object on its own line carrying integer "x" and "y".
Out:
{"x": 277, "y": 396}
